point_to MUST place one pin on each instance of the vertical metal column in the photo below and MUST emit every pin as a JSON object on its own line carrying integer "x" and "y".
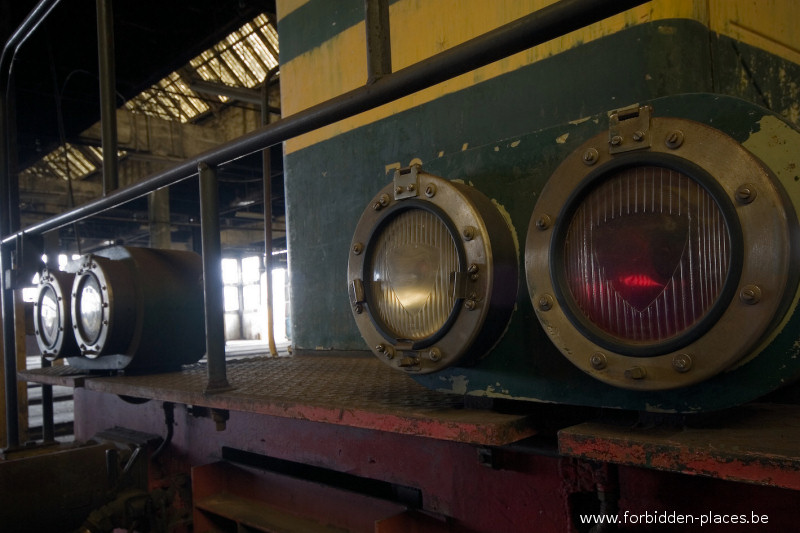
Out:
{"x": 266, "y": 163}
{"x": 379, "y": 45}
{"x": 212, "y": 279}
{"x": 6, "y": 293}
{"x": 9, "y": 352}
{"x": 159, "y": 219}
{"x": 108, "y": 111}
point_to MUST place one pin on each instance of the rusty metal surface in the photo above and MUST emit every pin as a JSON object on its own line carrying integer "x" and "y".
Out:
{"x": 756, "y": 443}
{"x": 352, "y": 391}
{"x": 64, "y": 375}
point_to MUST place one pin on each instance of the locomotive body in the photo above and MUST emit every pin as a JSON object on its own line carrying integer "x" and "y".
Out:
{"x": 505, "y": 130}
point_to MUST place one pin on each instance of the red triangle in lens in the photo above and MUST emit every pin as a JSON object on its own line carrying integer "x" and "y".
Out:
{"x": 639, "y": 253}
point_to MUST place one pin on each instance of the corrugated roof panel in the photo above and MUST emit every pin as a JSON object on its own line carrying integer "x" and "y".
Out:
{"x": 242, "y": 59}
{"x": 66, "y": 161}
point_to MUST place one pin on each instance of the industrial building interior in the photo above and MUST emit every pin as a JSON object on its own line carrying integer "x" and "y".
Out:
{"x": 206, "y": 189}
{"x": 179, "y": 91}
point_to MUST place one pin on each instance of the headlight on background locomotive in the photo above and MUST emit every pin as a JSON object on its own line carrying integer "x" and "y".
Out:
{"x": 432, "y": 273}
{"x": 660, "y": 257}
{"x": 138, "y": 308}
{"x": 103, "y": 306}
{"x": 51, "y": 315}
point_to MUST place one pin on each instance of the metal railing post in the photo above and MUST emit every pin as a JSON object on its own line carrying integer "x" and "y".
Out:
{"x": 379, "y": 44}
{"x": 108, "y": 109}
{"x": 266, "y": 164}
{"x": 212, "y": 279}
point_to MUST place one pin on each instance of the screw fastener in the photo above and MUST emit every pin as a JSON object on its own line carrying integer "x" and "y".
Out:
{"x": 674, "y": 139}
{"x": 468, "y": 233}
{"x": 746, "y": 193}
{"x": 435, "y": 354}
{"x": 358, "y": 248}
{"x": 545, "y": 302}
{"x": 590, "y": 157}
{"x": 638, "y": 136}
{"x": 543, "y": 222}
{"x": 682, "y": 362}
{"x": 598, "y": 361}
{"x": 750, "y": 294}
{"x": 616, "y": 140}
{"x": 430, "y": 190}
{"x": 382, "y": 201}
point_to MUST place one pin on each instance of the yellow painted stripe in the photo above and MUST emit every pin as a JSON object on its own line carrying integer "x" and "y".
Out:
{"x": 284, "y": 7}
{"x": 422, "y": 29}
{"x": 771, "y": 25}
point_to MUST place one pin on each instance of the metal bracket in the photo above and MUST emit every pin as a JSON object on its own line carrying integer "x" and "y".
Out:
{"x": 406, "y": 182}
{"x": 357, "y": 294}
{"x": 629, "y": 129}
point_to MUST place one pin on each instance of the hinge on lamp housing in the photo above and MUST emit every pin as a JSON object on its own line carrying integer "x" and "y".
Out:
{"x": 357, "y": 293}
{"x": 406, "y": 182}
{"x": 629, "y": 129}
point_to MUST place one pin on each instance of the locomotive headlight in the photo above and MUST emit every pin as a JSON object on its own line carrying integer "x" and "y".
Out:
{"x": 646, "y": 259}
{"x": 52, "y": 320}
{"x": 138, "y": 308}
{"x": 660, "y": 259}
{"x": 49, "y": 314}
{"x": 432, "y": 273}
{"x": 410, "y": 266}
{"x": 89, "y": 303}
{"x": 103, "y": 306}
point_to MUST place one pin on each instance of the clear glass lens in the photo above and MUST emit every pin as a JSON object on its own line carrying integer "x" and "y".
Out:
{"x": 647, "y": 254}
{"x": 49, "y": 315}
{"x": 413, "y": 261}
{"x": 90, "y": 306}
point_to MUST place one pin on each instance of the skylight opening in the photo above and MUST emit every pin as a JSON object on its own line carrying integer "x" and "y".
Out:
{"x": 242, "y": 59}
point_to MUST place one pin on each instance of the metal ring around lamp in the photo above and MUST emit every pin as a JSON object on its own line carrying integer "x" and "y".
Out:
{"x": 633, "y": 242}
{"x": 432, "y": 273}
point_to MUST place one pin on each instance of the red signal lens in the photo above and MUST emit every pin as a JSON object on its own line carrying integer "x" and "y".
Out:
{"x": 646, "y": 255}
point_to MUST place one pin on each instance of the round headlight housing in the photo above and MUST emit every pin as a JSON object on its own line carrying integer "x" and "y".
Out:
{"x": 663, "y": 264}
{"x": 103, "y": 306}
{"x": 51, "y": 315}
{"x": 432, "y": 273}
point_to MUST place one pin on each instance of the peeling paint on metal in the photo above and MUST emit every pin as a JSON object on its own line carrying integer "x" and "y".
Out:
{"x": 775, "y": 142}
{"x": 581, "y": 121}
{"x": 458, "y": 385}
{"x": 505, "y": 214}
{"x": 561, "y": 139}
